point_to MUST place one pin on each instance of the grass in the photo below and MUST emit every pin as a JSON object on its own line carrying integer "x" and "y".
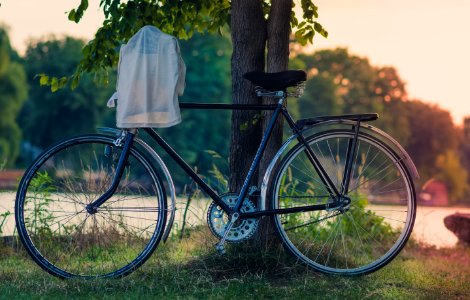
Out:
{"x": 418, "y": 273}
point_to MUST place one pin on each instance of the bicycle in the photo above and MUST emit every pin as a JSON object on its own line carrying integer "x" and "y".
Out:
{"x": 342, "y": 195}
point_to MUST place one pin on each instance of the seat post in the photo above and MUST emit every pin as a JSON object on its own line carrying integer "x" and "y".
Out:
{"x": 260, "y": 92}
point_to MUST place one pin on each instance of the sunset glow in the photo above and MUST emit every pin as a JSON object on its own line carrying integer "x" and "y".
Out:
{"x": 425, "y": 40}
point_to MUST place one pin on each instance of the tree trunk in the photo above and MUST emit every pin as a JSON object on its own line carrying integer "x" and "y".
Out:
{"x": 249, "y": 38}
{"x": 278, "y": 29}
{"x": 250, "y": 35}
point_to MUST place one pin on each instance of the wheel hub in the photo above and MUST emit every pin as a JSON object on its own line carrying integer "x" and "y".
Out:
{"x": 345, "y": 202}
{"x": 91, "y": 209}
{"x": 342, "y": 204}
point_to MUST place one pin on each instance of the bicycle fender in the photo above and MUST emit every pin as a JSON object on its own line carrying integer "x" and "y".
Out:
{"x": 365, "y": 128}
{"x": 267, "y": 174}
{"x": 392, "y": 143}
{"x": 159, "y": 161}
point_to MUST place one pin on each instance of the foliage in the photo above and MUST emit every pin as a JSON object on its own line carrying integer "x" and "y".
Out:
{"x": 218, "y": 176}
{"x": 451, "y": 171}
{"x": 315, "y": 237}
{"x": 432, "y": 134}
{"x": 352, "y": 76}
{"x": 41, "y": 199}
{"x": 3, "y": 218}
{"x": 47, "y": 116}
{"x": 464, "y": 150}
{"x": 178, "y": 18}
{"x": 390, "y": 89}
{"x": 5, "y": 214}
{"x": 13, "y": 91}
{"x": 342, "y": 83}
{"x": 207, "y": 58}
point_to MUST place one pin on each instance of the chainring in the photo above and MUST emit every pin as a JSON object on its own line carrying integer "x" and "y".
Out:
{"x": 217, "y": 219}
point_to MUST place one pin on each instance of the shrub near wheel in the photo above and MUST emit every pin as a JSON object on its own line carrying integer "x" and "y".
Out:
{"x": 68, "y": 241}
{"x": 360, "y": 237}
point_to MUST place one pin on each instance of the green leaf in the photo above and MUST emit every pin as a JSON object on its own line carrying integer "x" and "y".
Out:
{"x": 319, "y": 28}
{"x": 72, "y": 15}
{"x": 43, "y": 79}
{"x": 54, "y": 84}
{"x": 309, "y": 36}
{"x": 76, "y": 15}
{"x": 213, "y": 154}
{"x": 75, "y": 80}
{"x": 62, "y": 82}
{"x": 315, "y": 10}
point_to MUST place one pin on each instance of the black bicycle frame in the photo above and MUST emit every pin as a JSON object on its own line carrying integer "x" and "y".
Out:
{"x": 278, "y": 109}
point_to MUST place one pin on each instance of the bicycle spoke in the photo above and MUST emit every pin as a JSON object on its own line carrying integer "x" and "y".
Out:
{"x": 370, "y": 214}
{"x": 309, "y": 223}
{"x": 357, "y": 237}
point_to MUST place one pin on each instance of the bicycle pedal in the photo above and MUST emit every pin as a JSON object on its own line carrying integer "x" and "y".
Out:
{"x": 220, "y": 248}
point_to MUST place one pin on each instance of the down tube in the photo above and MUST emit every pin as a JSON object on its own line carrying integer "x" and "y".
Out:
{"x": 188, "y": 170}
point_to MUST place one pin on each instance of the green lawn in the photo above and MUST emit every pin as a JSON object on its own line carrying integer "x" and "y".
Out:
{"x": 417, "y": 273}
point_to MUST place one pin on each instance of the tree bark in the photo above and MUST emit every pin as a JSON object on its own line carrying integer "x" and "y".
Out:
{"x": 249, "y": 39}
{"x": 278, "y": 31}
{"x": 251, "y": 34}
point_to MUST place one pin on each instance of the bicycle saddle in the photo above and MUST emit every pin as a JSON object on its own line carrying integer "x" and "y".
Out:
{"x": 276, "y": 81}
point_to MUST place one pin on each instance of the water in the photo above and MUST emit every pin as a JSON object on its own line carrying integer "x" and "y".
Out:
{"x": 429, "y": 225}
{"x": 7, "y": 204}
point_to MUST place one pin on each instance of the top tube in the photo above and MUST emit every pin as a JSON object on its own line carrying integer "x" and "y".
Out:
{"x": 227, "y": 106}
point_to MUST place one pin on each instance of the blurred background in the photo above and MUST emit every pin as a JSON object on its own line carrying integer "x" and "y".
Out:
{"x": 407, "y": 61}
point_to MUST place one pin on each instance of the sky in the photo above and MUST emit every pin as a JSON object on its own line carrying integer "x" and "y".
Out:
{"x": 427, "y": 41}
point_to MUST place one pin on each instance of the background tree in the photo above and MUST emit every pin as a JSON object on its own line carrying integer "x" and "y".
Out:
{"x": 13, "y": 91}
{"x": 203, "y": 132}
{"x": 394, "y": 118}
{"x": 342, "y": 83}
{"x": 450, "y": 170}
{"x": 464, "y": 150}
{"x": 46, "y": 116}
{"x": 353, "y": 77}
{"x": 432, "y": 134}
{"x": 49, "y": 116}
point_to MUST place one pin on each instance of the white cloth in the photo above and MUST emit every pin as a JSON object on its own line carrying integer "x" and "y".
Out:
{"x": 151, "y": 76}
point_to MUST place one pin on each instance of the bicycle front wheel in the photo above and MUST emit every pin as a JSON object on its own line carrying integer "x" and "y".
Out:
{"x": 365, "y": 235}
{"x": 59, "y": 233}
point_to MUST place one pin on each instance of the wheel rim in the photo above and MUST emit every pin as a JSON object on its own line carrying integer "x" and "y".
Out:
{"x": 68, "y": 241}
{"x": 375, "y": 226}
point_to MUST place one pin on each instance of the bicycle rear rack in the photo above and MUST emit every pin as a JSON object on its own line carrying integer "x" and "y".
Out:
{"x": 358, "y": 118}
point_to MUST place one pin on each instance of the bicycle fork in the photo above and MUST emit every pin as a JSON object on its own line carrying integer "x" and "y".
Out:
{"x": 125, "y": 140}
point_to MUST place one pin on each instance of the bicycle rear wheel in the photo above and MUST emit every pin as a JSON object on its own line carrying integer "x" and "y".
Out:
{"x": 66, "y": 240}
{"x": 375, "y": 226}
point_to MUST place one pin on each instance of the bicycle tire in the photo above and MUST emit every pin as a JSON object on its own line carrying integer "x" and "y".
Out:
{"x": 67, "y": 241}
{"x": 371, "y": 231}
